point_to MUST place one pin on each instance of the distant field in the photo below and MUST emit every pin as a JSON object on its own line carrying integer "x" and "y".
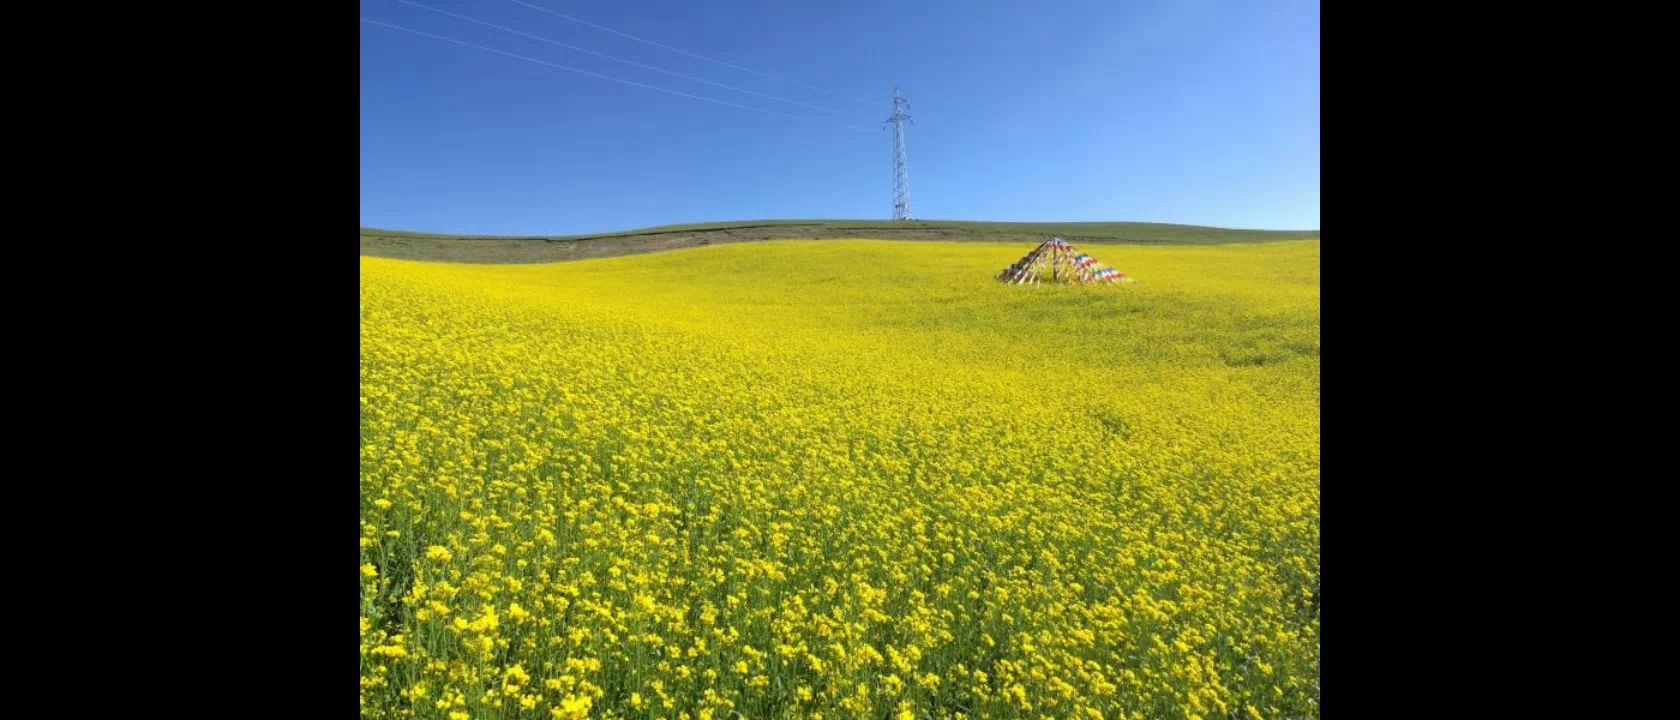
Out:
{"x": 848, "y": 479}
{"x": 552, "y": 248}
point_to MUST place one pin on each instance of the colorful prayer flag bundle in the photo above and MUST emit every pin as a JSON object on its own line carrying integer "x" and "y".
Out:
{"x": 1056, "y": 261}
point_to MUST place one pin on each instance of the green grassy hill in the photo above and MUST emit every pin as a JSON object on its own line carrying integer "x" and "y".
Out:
{"x": 536, "y": 249}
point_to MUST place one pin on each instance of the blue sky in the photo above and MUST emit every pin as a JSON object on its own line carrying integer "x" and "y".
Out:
{"x": 1202, "y": 112}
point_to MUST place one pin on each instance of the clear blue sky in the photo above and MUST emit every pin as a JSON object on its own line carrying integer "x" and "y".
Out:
{"x": 1202, "y": 112}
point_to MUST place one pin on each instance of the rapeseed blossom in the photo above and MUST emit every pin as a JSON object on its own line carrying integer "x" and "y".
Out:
{"x": 841, "y": 479}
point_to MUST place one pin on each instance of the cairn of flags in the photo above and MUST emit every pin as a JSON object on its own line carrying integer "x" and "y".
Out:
{"x": 1055, "y": 261}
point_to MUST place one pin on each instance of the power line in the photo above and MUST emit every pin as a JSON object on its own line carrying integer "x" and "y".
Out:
{"x": 617, "y": 59}
{"x": 685, "y": 52}
{"x": 613, "y": 79}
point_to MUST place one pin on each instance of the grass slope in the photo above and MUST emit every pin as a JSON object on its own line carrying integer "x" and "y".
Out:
{"x": 536, "y": 249}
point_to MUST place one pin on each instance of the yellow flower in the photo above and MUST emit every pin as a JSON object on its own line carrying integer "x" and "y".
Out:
{"x": 517, "y": 613}
{"x": 574, "y": 707}
{"x": 516, "y": 675}
{"x": 765, "y": 457}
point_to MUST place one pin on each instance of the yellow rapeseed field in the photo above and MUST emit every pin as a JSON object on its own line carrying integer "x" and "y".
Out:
{"x": 841, "y": 479}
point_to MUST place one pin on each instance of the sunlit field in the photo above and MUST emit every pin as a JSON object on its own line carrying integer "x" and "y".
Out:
{"x": 841, "y": 479}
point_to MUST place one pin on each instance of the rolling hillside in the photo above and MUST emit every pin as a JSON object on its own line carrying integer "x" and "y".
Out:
{"x": 854, "y": 479}
{"x": 537, "y": 249}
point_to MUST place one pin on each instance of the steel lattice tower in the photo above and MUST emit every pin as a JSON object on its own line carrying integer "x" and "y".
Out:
{"x": 901, "y": 169}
